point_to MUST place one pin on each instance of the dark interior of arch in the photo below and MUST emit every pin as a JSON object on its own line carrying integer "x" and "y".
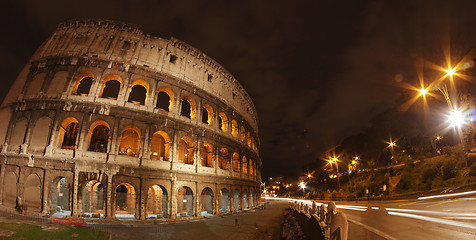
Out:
{"x": 163, "y": 101}
{"x": 99, "y": 139}
{"x": 137, "y": 94}
{"x": 111, "y": 90}
{"x": 186, "y": 109}
{"x": 70, "y": 134}
{"x": 84, "y": 86}
{"x": 204, "y": 115}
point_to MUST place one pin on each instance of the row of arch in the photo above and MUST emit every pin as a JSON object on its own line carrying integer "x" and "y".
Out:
{"x": 99, "y": 136}
{"x": 125, "y": 205}
{"x": 138, "y": 94}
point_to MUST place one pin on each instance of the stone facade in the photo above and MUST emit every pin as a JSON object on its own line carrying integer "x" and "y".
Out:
{"x": 107, "y": 122}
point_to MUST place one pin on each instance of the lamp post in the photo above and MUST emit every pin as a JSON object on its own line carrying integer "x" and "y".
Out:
{"x": 335, "y": 160}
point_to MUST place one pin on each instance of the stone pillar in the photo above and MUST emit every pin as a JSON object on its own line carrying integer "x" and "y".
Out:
{"x": 142, "y": 200}
{"x": 46, "y": 190}
{"x": 2, "y": 178}
{"x": 216, "y": 200}
{"x": 108, "y": 202}
{"x": 196, "y": 203}
{"x": 173, "y": 198}
{"x": 75, "y": 208}
{"x": 21, "y": 180}
{"x": 53, "y": 131}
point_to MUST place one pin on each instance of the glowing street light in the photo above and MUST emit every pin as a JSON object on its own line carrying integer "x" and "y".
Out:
{"x": 423, "y": 91}
{"x": 456, "y": 118}
{"x": 451, "y": 71}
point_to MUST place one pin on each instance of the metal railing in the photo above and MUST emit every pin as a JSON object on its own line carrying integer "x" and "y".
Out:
{"x": 333, "y": 224}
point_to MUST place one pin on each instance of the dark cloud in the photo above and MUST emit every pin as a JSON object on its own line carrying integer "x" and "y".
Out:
{"x": 317, "y": 71}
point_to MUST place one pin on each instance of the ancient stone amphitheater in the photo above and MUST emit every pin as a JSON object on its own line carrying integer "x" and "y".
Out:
{"x": 107, "y": 122}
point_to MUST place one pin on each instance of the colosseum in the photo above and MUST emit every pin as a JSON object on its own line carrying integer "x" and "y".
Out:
{"x": 108, "y": 122}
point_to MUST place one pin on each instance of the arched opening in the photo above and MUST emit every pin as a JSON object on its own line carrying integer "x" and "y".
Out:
{"x": 93, "y": 199}
{"x": 111, "y": 89}
{"x": 138, "y": 94}
{"x": 224, "y": 201}
{"x": 98, "y": 137}
{"x": 159, "y": 146}
{"x": 242, "y": 134}
{"x": 222, "y": 122}
{"x": 68, "y": 133}
{"x": 206, "y": 202}
{"x": 185, "y": 151}
{"x": 248, "y": 139}
{"x": 236, "y": 200}
{"x": 83, "y": 84}
{"x": 186, "y": 110}
{"x": 125, "y": 201}
{"x": 129, "y": 141}
{"x": 206, "y": 155}
{"x": 245, "y": 165}
{"x": 234, "y": 128}
{"x": 245, "y": 199}
{"x": 60, "y": 196}
{"x": 207, "y": 114}
{"x": 156, "y": 202}
{"x": 236, "y": 162}
{"x": 252, "y": 203}
{"x": 224, "y": 159}
{"x": 163, "y": 101}
{"x": 185, "y": 202}
{"x": 251, "y": 166}
{"x": 32, "y": 195}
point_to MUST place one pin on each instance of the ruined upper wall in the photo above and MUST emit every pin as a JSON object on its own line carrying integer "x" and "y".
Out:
{"x": 127, "y": 44}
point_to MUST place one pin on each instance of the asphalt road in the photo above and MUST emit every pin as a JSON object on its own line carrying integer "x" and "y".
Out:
{"x": 441, "y": 218}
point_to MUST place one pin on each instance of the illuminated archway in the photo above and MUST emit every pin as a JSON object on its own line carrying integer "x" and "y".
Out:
{"x": 156, "y": 202}
{"x": 129, "y": 142}
{"x": 125, "y": 201}
{"x": 185, "y": 202}
{"x": 68, "y": 133}
{"x": 159, "y": 146}
{"x": 206, "y": 155}
{"x": 186, "y": 151}
{"x": 98, "y": 136}
{"x": 111, "y": 87}
{"x": 206, "y": 201}
{"x": 236, "y": 162}
{"x": 224, "y": 159}
{"x": 223, "y": 122}
{"x": 224, "y": 201}
{"x": 93, "y": 199}
{"x": 83, "y": 84}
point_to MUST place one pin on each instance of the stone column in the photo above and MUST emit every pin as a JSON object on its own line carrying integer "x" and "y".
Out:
{"x": 142, "y": 200}
{"x": 46, "y": 190}
{"x": 173, "y": 198}
{"x": 108, "y": 202}
{"x": 2, "y": 178}
{"x": 75, "y": 209}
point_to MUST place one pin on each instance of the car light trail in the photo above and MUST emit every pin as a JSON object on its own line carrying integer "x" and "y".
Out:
{"x": 447, "y": 195}
{"x": 433, "y": 212}
{"x": 435, "y": 220}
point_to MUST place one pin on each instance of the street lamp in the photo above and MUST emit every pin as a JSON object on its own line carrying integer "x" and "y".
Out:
{"x": 335, "y": 160}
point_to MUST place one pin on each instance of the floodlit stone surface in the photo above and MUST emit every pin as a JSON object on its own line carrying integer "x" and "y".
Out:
{"x": 107, "y": 122}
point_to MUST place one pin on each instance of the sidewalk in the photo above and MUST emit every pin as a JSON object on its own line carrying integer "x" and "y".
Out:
{"x": 256, "y": 224}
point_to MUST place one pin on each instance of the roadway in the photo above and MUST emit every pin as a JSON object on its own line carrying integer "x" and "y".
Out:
{"x": 445, "y": 217}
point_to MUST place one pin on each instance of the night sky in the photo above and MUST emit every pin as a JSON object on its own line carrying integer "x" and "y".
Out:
{"x": 317, "y": 71}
